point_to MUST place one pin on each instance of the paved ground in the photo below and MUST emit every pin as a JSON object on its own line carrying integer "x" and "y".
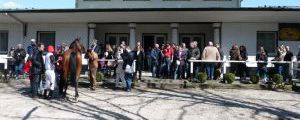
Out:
{"x": 151, "y": 104}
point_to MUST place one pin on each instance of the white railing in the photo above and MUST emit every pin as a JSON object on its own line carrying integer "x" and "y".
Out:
{"x": 291, "y": 63}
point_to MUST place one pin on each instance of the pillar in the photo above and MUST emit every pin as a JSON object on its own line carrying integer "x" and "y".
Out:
{"x": 91, "y": 30}
{"x": 217, "y": 37}
{"x": 174, "y": 27}
{"x": 132, "y": 39}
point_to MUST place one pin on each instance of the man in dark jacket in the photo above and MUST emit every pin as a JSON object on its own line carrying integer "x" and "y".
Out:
{"x": 286, "y": 68}
{"x": 19, "y": 56}
{"x": 37, "y": 68}
{"x": 194, "y": 54}
{"x": 155, "y": 60}
{"x": 31, "y": 47}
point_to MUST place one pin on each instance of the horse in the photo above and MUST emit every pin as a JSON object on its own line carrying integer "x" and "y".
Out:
{"x": 93, "y": 66}
{"x": 72, "y": 64}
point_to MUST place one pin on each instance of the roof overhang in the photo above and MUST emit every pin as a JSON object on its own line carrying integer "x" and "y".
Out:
{"x": 153, "y": 15}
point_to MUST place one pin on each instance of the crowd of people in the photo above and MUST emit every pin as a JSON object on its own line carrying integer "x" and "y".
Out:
{"x": 169, "y": 61}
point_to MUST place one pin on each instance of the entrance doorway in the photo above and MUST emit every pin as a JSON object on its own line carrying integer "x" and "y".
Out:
{"x": 188, "y": 38}
{"x": 148, "y": 43}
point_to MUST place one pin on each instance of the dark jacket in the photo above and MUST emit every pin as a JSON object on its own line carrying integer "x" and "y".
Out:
{"x": 139, "y": 58}
{"x": 128, "y": 59}
{"x": 288, "y": 56}
{"x": 30, "y": 49}
{"x": 19, "y": 56}
{"x": 37, "y": 62}
{"x": 261, "y": 57}
{"x": 155, "y": 55}
{"x": 195, "y": 53}
{"x": 235, "y": 54}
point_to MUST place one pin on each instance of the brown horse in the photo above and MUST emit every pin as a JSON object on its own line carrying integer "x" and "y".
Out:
{"x": 72, "y": 63}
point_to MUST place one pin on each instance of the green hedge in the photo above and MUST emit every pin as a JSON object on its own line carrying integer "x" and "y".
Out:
{"x": 229, "y": 78}
{"x": 277, "y": 78}
{"x": 254, "y": 79}
{"x": 202, "y": 77}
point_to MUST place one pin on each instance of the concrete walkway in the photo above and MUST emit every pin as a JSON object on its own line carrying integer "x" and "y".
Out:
{"x": 187, "y": 104}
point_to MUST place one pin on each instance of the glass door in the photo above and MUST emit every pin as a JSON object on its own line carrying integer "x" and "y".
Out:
{"x": 188, "y": 38}
{"x": 115, "y": 39}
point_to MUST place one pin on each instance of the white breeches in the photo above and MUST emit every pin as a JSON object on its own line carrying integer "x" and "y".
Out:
{"x": 50, "y": 78}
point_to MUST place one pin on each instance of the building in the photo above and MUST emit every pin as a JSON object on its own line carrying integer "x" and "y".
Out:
{"x": 150, "y": 21}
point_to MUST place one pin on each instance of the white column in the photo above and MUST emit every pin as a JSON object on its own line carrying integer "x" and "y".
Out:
{"x": 132, "y": 40}
{"x": 91, "y": 28}
{"x": 174, "y": 27}
{"x": 216, "y": 27}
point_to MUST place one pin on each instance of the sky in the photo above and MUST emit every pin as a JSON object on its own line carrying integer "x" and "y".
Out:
{"x": 46, "y": 4}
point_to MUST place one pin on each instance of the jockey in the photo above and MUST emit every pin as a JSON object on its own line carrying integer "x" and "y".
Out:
{"x": 50, "y": 71}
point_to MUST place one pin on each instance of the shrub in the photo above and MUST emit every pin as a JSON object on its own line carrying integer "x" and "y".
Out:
{"x": 254, "y": 79}
{"x": 99, "y": 77}
{"x": 229, "y": 78}
{"x": 278, "y": 79}
{"x": 202, "y": 77}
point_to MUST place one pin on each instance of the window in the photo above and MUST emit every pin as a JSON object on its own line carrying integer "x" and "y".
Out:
{"x": 3, "y": 41}
{"x": 267, "y": 39}
{"x": 46, "y": 37}
{"x": 187, "y": 38}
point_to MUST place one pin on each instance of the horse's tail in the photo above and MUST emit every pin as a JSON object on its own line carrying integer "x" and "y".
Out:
{"x": 72, "y": 63}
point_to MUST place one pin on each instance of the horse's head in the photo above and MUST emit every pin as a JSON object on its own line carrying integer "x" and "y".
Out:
{"x": 77, "y": 46}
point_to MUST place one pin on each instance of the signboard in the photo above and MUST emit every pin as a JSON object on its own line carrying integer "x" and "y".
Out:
{"x": 289, "y": 31}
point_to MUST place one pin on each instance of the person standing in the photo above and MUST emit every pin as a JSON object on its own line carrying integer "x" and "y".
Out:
{"x": 180, "y": 59}
{"x": 166, "y": 65}
{"x": 120, "y": 77}
{"x": 234, "y": 56}
{"x": 219, "y": 65}
{"x": 19, "y": 56}
{"x": 31, "y": 47}
{"x": 155, "y": 60}
{"x": 128, "y": 58}
{"x": 50, "y": 72}
{"x": 11, "y": 62}
{"x": 286, "y": 68}
{"x": 262, "y": 58}
{"x": 194, "y": 54}
{"x": 37, "y": 68}
{"x": 243, "y": 69}
{"x": 93, "y": 66}
{"x": 96, "y": 48}
{"x": 139, "y": 57}
{"x": 210, "y": 53}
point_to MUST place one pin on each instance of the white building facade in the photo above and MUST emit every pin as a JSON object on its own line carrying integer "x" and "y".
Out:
{"x": 150, "y": 21}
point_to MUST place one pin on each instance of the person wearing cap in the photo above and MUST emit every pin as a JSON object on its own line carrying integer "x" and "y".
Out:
{"x": 31, "y": 47}
{"x": 50, "y": 72}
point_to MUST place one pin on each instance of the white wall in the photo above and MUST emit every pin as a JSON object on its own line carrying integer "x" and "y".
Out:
{"x": 64, "y": 32}
{"x": 14, "y": 33}
{"x": 156, "y": 4}
{"x": 245, "y": 34}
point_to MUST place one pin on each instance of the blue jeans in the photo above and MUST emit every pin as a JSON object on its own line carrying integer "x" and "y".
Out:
{"x": 35, "y": 84}
{"x": 286, "y": 71}
{"x": 279, "y": 68}
{"x": 179, "y": 71}
{"x": 210, "y": 67}
{"x": 155, "y": 70}
{"x": 128, "y": 78}
{"x": 262, "y": 72}
{"x": 165, "y": 67}
{"x": 19, "y": 69}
